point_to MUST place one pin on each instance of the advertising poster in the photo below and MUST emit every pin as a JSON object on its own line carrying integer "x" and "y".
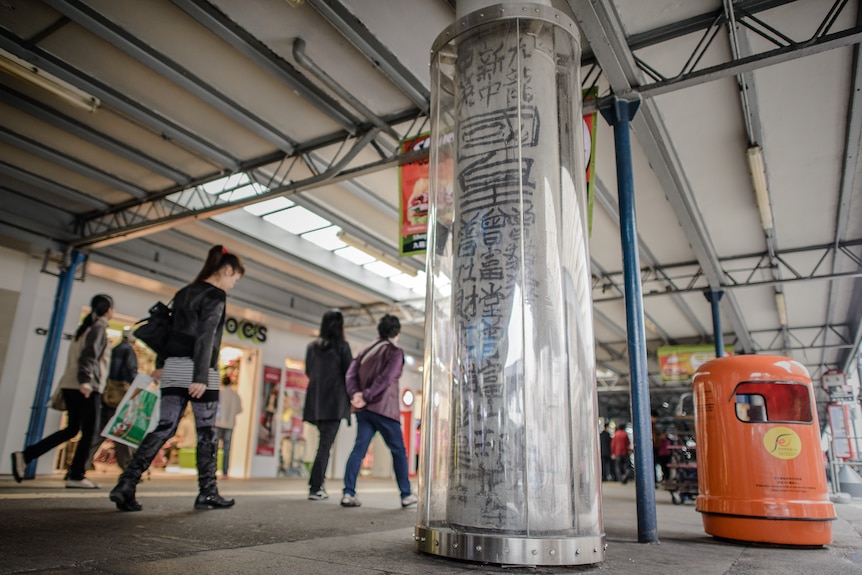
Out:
{"x": 295, "y": 384}
{"x": 269, "y": 406}
{"x": 841, "y": 445}
{"x": 413, "y": 199}
{"x": 679, "y": 362}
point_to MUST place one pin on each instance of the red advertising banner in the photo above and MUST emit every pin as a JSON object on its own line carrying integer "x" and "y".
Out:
{"x": 590, "y": 125}
{"x": 268, "y": 407}
{"x": 414, "y": 184}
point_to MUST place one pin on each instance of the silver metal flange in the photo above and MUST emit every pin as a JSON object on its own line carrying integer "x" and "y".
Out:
{"x": 499, "y": 12}
{"x": 510, "y": 550}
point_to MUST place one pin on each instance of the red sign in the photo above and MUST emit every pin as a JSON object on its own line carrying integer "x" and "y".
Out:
{"x": 295, "y": 384}
{"x": 414, "y": 199}
{"x": 268, "y": 407}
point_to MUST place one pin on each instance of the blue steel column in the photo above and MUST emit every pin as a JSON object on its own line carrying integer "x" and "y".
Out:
{"x": 714, "y": 297}
{"x": 49, "y": 358}
{"x": 619, "y": 115}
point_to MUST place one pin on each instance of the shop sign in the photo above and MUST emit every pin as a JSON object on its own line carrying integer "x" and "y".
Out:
{"x": 245, "y": 330}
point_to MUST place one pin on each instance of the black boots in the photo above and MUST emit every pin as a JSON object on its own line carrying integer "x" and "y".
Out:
{"x": 207, "y": 487}
{"x": 212, "y": 501}
{"x": 124, "y": 496}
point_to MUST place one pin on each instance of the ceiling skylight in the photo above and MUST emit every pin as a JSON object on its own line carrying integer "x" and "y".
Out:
{"x": 351, "y": 254}
{"x": 297, "y": 220}
{"x": 327, "y": 238}
{"x": 225, "y": 184}
{"x": 240, "y": 193}
{"x": 382, "y": 269}
{"x": 269, "y": 206}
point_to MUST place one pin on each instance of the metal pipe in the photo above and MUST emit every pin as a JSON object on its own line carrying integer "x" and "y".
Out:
{"x": 619, "y": 115}
{"x": 303, "y": 60}
{"x": 714, "y": 297}
{"x": 49, "y": 359}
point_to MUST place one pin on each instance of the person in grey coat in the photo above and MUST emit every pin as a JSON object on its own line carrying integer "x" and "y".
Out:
{"x": 327, "y": 359}
{"x": 82, "y": 384}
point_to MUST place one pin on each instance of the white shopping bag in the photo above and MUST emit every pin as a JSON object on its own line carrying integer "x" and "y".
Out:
{"x": 137, "y": 414}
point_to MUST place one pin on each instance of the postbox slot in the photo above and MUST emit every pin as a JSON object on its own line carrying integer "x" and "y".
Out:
{"x": 758, "y": 402}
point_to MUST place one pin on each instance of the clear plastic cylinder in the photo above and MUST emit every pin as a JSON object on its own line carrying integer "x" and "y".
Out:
{"x": 509, "y": 462}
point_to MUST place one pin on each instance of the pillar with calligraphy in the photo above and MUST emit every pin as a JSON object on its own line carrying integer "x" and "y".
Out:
{"x": 509, "y": 463}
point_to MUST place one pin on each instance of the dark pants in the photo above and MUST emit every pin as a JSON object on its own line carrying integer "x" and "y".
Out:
{"x": 369, "y": 423}
{"x": 623, "y": 468}
{"x": 172, "y": 409}
{"x": 608, "y": 473}
{"x": 122, "y": 452}
{"x": 224, "y": 435}
{"x": 84, "y": 414}
{"x": 328, "y": 430}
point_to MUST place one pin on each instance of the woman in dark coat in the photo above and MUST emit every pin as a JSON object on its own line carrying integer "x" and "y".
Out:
{"x": 326, "y": 403}
{"x": 188, "y": 372}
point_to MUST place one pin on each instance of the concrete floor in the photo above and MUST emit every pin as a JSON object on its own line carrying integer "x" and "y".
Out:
{"x": 273, "y": 528}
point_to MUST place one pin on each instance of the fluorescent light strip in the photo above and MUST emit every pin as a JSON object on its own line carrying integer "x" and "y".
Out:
{"x": 761, "y": 191}
{"x": 22, "y": 69}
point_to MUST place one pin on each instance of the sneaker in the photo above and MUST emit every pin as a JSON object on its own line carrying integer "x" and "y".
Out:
{"x": 80, "y": 484}
{"x": 318, "y": 495}
{"x": 409, "y": 501}
{"x": 19, "y": 466}
{"x": 350, "y": 501}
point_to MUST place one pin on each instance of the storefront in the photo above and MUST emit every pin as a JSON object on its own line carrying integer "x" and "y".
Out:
{"x": 264, "y": 356}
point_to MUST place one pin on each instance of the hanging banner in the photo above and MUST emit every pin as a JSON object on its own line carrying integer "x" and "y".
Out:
{"x": 679, "y": 362}
{"x": 590, "y": 125}
{"x": 842, "y": 446}
{"x": 268, "y": 407}
{"x": 295, "y": 386}
{"x": 414, "y": 187}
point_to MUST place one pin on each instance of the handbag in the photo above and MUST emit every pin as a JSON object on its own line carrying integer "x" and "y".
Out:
{"x": 155, "y": 330}
{"x": 57, "y": 400}
{"x": 114, "y": 392}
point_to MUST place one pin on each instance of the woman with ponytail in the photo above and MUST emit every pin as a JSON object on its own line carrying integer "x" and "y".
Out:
{"x": 188, "y": 372}
{"x": 82, "y": 383}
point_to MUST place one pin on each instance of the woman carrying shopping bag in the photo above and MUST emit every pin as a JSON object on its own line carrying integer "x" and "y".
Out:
{"x": 188, "y": 372}
{"x": 82, "y": 383}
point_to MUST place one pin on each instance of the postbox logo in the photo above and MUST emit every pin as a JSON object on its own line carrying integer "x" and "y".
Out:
{"x": 782, "y": 442}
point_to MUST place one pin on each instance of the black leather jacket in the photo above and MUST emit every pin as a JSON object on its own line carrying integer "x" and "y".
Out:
{"x": 198, "y": 312}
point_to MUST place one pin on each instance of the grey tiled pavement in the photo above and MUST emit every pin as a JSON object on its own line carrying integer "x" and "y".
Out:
{"x": 45, "y": 528}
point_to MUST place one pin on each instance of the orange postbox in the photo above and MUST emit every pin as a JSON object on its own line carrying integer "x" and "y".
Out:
{"x": 761, "y": 476}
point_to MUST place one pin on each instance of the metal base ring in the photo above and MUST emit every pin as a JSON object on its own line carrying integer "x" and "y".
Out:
{"x": 510, "y": 550}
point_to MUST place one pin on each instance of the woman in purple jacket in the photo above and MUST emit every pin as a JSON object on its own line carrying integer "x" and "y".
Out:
{"x": 372, "y": 384}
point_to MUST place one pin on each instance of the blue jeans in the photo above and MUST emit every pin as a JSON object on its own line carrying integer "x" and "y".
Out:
{"x": 224, "y": 434}
{"x": 369, "y": 423}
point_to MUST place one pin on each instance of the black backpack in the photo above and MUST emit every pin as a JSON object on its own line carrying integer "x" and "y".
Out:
{"x": 156, "y": 329}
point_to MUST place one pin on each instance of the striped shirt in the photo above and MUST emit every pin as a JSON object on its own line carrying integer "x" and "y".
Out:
{"x": 179, "y": 371}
